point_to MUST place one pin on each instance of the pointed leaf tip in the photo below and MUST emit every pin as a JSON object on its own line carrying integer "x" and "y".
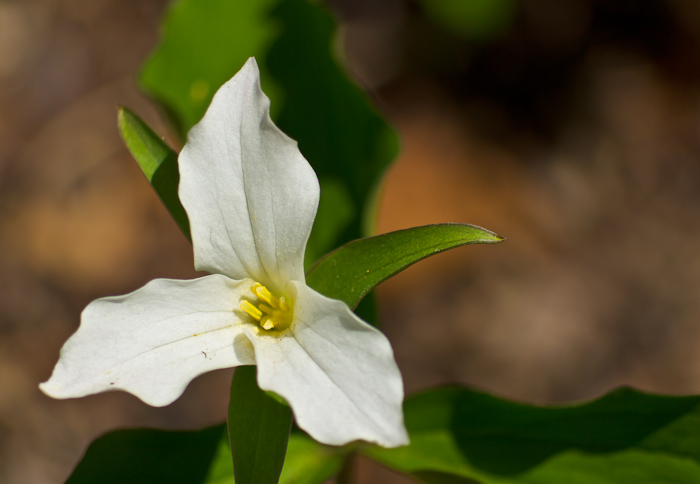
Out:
{"x": 157, "y": 161}
{"x": 353, "y": 270}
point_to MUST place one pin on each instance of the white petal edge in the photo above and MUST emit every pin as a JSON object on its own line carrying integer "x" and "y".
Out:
{"x": 337, "y": 372}
{"x": 250, "y": 195}
{"x": 154, "y": 341}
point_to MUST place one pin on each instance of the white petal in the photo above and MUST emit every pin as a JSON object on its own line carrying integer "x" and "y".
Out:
{"x": 154, "y": 341}
{"x": 337, "y": 372}
{"x": 250, "y": 195}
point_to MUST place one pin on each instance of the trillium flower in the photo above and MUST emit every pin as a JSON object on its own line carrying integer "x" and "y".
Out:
{"x": 251, "y": 199}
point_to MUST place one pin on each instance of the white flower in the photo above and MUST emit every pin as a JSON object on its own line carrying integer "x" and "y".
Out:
{"x": 251, "y": 198}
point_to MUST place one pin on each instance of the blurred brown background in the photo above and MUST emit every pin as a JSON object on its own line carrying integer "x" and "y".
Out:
{"x": 572, "y": 127}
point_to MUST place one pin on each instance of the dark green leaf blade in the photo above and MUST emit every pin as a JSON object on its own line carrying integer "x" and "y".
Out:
{"x": 148, "y": 456}
{"x": 258, "y": 428}
{"x": 353, "y": 270}
{"x": 157, "y": 161}
{"x": 626, "y": 437}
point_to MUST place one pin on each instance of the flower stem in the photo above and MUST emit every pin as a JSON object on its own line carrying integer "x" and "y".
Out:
{"x": 258, "y": 429}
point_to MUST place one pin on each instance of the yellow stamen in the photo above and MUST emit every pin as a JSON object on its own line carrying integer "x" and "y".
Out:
{"x": 272, "y": 312}
{"x": 254, "y": 312}
{"x": 263, "y": 293}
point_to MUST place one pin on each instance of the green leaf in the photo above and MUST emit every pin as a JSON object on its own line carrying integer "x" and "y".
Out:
{"x": 348, "y": 144}
{"x": 626, "y": 437}
{"x": 353, "y": 270}
{"x": 157, "y": 161}
{"x": 258, "y": 429}
{"x": 146, "y": 456}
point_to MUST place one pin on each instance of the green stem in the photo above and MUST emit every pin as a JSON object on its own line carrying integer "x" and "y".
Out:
{"x": 258, "y": 429}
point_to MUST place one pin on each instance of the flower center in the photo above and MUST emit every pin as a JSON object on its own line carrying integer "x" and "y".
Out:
{"x": 271, "y": 312}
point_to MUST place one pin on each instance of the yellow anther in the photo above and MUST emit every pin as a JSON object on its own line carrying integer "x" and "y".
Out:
{"x": 271, "y": 312}
{"x": 263, "y": 293}
{"x": 254, "y": 312}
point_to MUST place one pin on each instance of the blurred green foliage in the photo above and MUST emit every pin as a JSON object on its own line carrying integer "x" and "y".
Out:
{"x": 203, "y": 44}
{"x": 475, "y": 20}
{"x": 206, "y": 42}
